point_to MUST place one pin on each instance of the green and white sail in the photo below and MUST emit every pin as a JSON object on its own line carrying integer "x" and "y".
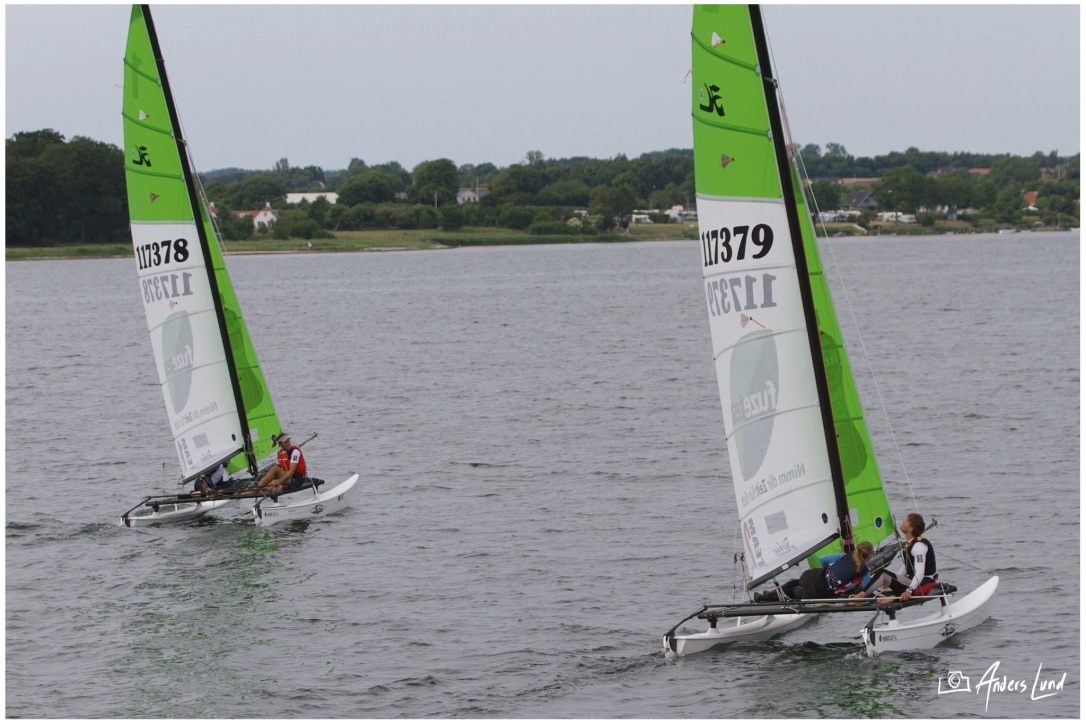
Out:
{"x": 795, "y": 432}
{"x": 216, "y": 396}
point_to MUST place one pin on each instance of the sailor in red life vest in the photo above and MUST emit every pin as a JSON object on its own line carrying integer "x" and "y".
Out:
{"x": 918, "y": 574}
{"x": 290, "y": 466}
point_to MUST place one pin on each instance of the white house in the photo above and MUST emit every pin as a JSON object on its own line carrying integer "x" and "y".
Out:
{"x": 678, "y": 214}
{"x": 266, "y": 216}
{"x": 331, "y": 196}
{"x": 897, "y": 216}
{"x": 831, "y": 217}
{"x": 471, "y": 194}
{"x": 262, "y": 217}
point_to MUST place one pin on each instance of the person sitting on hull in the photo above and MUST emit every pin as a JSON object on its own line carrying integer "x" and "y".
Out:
{"x": 210, "y": 482}
{"x": 918, "y": 573}
{"x": 840, "y": 575}
{"x": 288, "y": 470}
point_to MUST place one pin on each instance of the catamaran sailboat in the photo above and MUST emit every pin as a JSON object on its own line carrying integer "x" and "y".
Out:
{"x": 806, "y": 479}
{"x": 217, "y": 401}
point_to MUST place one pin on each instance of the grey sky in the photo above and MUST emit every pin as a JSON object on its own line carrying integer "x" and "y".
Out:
{"x": 322, "y": 84}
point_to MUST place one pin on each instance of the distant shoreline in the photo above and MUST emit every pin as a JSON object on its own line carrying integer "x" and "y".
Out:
{"x": 429, "y": 240}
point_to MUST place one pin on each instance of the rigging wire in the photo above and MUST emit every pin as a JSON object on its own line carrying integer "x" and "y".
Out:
{"x": 813, "y": 210}
{"x": 739, "y": 565}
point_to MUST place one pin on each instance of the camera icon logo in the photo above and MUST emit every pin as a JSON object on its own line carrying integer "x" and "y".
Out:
{"x": 955, "y": 681}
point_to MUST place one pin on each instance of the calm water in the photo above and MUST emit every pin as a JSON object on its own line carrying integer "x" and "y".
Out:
{"x": 543, "y": 490}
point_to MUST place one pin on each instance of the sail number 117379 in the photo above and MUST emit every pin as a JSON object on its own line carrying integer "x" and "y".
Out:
{"x": 720, "y": 246}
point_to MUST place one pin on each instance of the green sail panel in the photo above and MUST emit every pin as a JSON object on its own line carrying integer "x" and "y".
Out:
{"x": 188, "y": 297}
{"x": 259, "y": 410}
{"x": 733, "y": 147}
{"x": 869, "y": 510}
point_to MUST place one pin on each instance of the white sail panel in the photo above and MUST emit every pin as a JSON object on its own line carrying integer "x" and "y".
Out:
{"x": 776, "y": 439}
{"x": 187, "y": 343}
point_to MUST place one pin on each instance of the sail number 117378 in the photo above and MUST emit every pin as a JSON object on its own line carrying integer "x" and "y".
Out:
{"x": 160, "y": 253}
{"x": 164, "y": 285}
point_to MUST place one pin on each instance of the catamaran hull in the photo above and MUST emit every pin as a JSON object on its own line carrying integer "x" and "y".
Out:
{"x": 305, "y": 504}
{"x": 171, "y": 513}
{"x": 751, "y": 629}
{"x": 930, "y": 631}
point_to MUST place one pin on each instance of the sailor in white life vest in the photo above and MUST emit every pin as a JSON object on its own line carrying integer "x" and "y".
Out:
{"x": 918, "y": 573}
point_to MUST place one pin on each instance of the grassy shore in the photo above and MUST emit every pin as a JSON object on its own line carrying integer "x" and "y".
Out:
{"x": 412, "y": 239}
{"x": 382, "y": 240}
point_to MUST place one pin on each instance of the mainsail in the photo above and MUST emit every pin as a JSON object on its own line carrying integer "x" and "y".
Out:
{"x": 216, "y": 396}
{"x": 801, "y": 460}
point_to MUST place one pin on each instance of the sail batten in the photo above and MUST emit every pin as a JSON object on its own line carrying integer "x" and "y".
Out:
{"x": 766, "y": 418}
{"x": 761, "y": 132}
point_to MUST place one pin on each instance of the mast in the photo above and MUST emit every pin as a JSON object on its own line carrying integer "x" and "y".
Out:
{"x": 784, "y": 164}
{"x": 205, "y": 243}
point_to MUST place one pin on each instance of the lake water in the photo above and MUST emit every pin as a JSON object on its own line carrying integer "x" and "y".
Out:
{"x": 543, "y": 489}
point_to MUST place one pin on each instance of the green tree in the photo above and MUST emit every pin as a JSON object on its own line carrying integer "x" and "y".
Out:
{"x": 31, "y": 198}
{"x": 516, "y": 181}
{"x": 320, "y": 210}
{"x": 356, "y": 166}
{"x": 631, "y": 179}
{"x": 231, "y": 226}
{"x": 257, "y": 190}
{"x": 836, "y": 150}
{"x": 297, "y": 224}
{"x": 901, "y": 189}
{"x": 955, "y": 191}
{"x": 569, "y": 192}
{"x": 618, "y": 201}
{"x": 357, "y": 217}
{"x": 91, "y": 179}
{"x": 512, "y": 216}
{"x": 31, "y": 144}
{"x": 827, "y": 194}
{"x": 452, "y": 217}
{"x": 372, "y": 187}
{"x": 1015, "y": 172}
{"x": 394, "y": 168}
{"x": 670, "y": 195}
{"x": 59, "y": 192}
{"x": 435, "y": 182}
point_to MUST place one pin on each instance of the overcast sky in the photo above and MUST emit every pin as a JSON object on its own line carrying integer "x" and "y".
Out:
{"x": 320, "y": 85}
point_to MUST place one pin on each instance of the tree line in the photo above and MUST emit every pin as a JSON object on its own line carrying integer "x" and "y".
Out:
{"x": 73, "y": 191}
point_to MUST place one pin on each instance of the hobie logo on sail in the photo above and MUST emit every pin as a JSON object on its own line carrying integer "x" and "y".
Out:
{"x": 712, "y": 103}
{"x": 140, "y": 157}
{"x": 177, "y": 358}
{"x": 755, "y": 385}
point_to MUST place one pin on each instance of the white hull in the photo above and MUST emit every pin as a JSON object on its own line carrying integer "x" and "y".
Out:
{"x": 757, "y": 628}
{"x": 932, "y": 630}
{"x": 172, "y": 513}
{"x": 305, "y": 504}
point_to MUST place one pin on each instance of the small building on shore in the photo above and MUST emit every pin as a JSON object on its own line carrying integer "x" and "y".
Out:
{"x": 297, "y": 198}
